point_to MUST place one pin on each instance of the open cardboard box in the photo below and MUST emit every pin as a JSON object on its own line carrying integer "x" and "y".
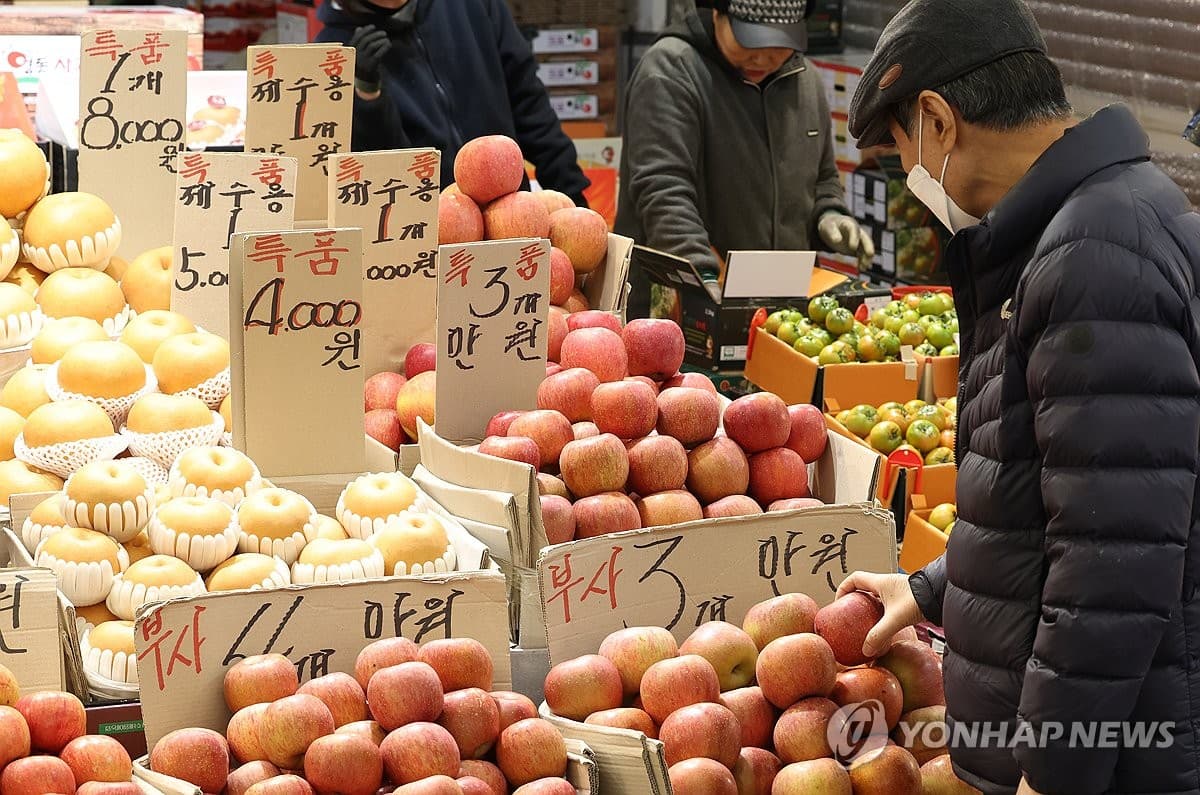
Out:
{"x": 923, "y": 543}
{"x": 939, "y": 377}
{"x": 668, "y": 577}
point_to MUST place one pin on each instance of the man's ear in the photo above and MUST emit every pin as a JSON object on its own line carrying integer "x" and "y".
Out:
{"x": 939, "y": 119}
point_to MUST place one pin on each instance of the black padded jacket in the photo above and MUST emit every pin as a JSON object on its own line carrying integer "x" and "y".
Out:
{"x": 1068, "y": 588}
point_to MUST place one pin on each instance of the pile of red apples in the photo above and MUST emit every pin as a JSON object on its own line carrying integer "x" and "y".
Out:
{"x": 747, "y": 710}
{"x": 622, "y": 440}
{"x": 393, "y": 401}
{"x": 44, "y": 747}
{"x": 486, "y": 203}
{"x": 413, "y": 720}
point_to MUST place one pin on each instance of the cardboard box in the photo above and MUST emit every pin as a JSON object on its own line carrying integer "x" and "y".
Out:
{"x": 923, "y": 543}
{"x": 939, "y": 377}
{"x": 122, "y": 722}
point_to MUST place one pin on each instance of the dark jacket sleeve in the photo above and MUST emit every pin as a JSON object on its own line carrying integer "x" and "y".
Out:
{"x": 831, "y": 194}
{"x": 662, "y": 146}
{"x": 377, "y": 122}
{"x": 929, "y": 587}
{"x": 1114, "y": 391}
{"x": 539, "y": 131}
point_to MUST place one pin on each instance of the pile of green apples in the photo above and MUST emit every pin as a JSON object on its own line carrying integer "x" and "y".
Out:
{"x": 925, "y": 428}
{"x": 830, "y": 334}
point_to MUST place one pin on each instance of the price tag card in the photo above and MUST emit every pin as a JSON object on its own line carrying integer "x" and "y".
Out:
{"x": 300, "y": 103}
{"x": 491, "y": 326}
{"x": 30, "y": 644}
{"x": 713, "y": 570}
{"x": 217, "y": 196}
{"x": 132, "y": 104}
{"x": 185, "y": 646}
{"x": 295, "y": 336}
{"x": 393, "y": 197}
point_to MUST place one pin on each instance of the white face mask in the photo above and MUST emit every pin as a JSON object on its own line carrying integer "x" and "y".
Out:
{"x": 932, "y": 192}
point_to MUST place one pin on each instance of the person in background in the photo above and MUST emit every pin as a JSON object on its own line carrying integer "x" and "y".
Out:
{"x": 729, "y": 141}
{"x": 1068, "y": 588}
{"x": 441, "y": 72}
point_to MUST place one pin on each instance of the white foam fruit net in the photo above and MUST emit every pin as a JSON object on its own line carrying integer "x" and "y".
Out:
{"x": 163, "y": 448}
{"x": 19, "y": 329}
{"x": 154, "y": 473}
{"x": 212, "y": 391}
{"x": 117, "y": 409}
{"x": 68, "y": 457}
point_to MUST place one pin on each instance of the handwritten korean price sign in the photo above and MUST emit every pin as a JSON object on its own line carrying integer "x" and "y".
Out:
{"x": 295, "y": 338}
{"x": 300, "y": 104}
{"x": 492, "y": 303}
{"x": 393, "y": 198}
{"x": 185, "y": 646}
{"x": 217, "y": 196}
{"x": 132, "y": 104}
{"x": 714, "y": 570}
{"x": 30, "y": 644}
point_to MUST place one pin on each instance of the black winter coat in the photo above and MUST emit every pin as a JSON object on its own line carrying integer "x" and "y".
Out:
{"x": 461, "y": 70}
{"x": 1068, "y": 588}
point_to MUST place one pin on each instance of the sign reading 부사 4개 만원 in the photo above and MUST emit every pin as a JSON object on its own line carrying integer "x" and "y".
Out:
{"x": 491, "y": 327}
{"x": 132, "y": 104}
{"x": 218, "y": 195}
{"x": 295, "y": 339}
{"x": 393, "y": 197}
{"x": 299, "y": 104}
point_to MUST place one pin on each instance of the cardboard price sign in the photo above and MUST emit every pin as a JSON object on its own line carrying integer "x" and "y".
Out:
{"x": 132, "y": 105}
{"x": 295, "y": 335}
{"x": 393, "y": 197}
{"x": 300, "y": 104}
{"x": 712, "y": 570}
{"x": 185, "y": 646}
{"x": 217, "y": 196}
{"x": 29, "y": 628}
{"x": 492, "y": 341}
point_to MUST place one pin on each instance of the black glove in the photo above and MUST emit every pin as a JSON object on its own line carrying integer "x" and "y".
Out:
{"x": 370, "y": 46}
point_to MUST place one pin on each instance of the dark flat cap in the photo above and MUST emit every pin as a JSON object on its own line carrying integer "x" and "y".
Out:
{"x": 930, "y": 43}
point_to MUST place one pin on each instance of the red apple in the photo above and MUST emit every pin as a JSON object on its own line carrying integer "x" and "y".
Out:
{"x": 802, "y": 732}
{"x": 246, "y": 776}
{"x": 826, "y": 776}
{"x": 701, "y": 730}
{"x": 97, "y": 758}
{"x": 421, "y": 358}
{"x": 919, "y": 670}
{"x": 38, "y": 775}
{"x": 731, "y": 506}
{"x": 460, "y": 663}
{"x": 845, "y": 623}
{"x": 499, "y": 423}
{"x": 758, "y": 422}
{"x": 789, "y": 614}
{"x": 701, "y": 777}
{"x": 594, "y": 466}
{"x": 678, "y": 682}
{"x": 459, "y": 219}
{"x": 668, "y": 508}
{"x": 634, "y": 649}
{"x": 529, "y": 750}
{"x": 14, "y": 736}
{"x": 690, "y": 380}
{"x": 626, "y": 409}
{"x": 558, "y": 518}
{"x": 286, "y": 784}
{"x": 717, "y": 469}
{"x": 417, "y": 398}
{"x": 433, "y": 785}
{"x": 569, "y": 392}
{"x": 513, "y": 448}
{"x": 515, "y": 215}
{"x": 54, "y": 719}
{"x": 923, "y": 733}
{"x": 578, "y": 302}
{"x": 405, "y": 693}
{"x": 198, "y": 756}
{"x": 690, "y": 415}
{"x": 367, "y": 729}
{"x": 795, "y": 667}
{"x": 777, "y": 474}
{"x": 244, "y": 732}
{"x": 755, "y": 715}
{"x": 755, "y": 771}
{"x": 584, "y": 430}
{"x": 625, "y": 718}
{"x": 289, "y": 726}
{"x": 583, "y": 234}
{"x": 594, "y": 318}
{"x": 656, "y": 463}
{"x": 473, "y": 719}
{"x": 650, "y": 382}
{"x": 793, "y": 504}
{"x": 549, "y": 484}
{"x": 605, "y": 513}
{"x": 597, "y": 349}
{"x": 343, "y": 764}
{"x": 889, "y": 770}
{"x": 10, "y": 691}
{"x": 258, "y": 679}
{"x": 809, "y": 435}
{"x": 382, "y": 654}
{"x": 380, "y": 390}
{"x": 547, "y": 786}
{"x": 419, "y": 750}
{"x": 556, "y": 332}
{"x": 577, "y": 688}
{"x": 553, "y": 368}
{"x": 513, "y": 707}
{"x": 488, "y": 167}
{"x": 562, "y": 276}
{"x": 549, "y": 429}
{"x": 342, "y": 694}
{"x": 729, "y": 650}
{"x": 938, "y": 778}
{"x": 858, "y": 685}
{"x": 654, "y": 348}
{"x": 383, "y": 425}
{"x": 120, "y": 788}
{"x": 486, "y": 772}
{"x": 473, "y": 786}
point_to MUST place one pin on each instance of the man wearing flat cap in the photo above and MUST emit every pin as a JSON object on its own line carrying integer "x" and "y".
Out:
{"x": 1068, "y": 591}
{"x": 729, "y": 143}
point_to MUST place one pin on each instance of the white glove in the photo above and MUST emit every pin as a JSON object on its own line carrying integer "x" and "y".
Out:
{"x": 843, "y": 235}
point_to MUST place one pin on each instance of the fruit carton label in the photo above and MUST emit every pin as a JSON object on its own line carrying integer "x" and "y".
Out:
{"x": 555, "y": 41}
{"x": 217, "y": 196}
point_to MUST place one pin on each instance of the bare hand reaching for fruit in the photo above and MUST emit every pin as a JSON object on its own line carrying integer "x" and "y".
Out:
{"x": 900, "y": 608}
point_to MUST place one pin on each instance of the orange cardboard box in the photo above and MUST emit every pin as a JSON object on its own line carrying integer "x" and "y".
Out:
{"x": 923, "y": 543}
{"x": 939, "y": 376}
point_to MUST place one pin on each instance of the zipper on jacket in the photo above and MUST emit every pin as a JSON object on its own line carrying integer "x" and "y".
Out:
{"x": 762, "y": 94}
{"x": 962, "y": 392}
{"x": 447, "y": 109}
